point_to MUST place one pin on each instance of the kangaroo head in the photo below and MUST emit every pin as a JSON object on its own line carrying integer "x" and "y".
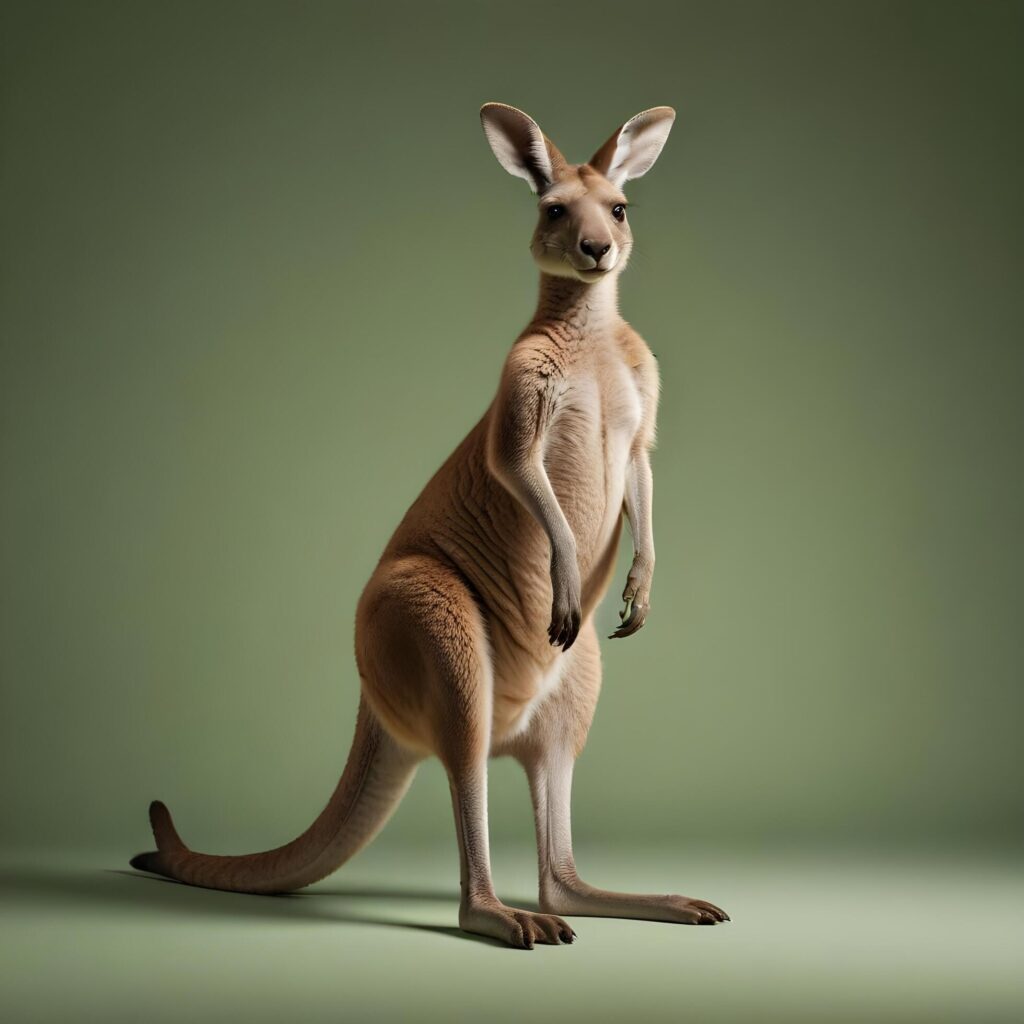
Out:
{"x": 583, "y": 231}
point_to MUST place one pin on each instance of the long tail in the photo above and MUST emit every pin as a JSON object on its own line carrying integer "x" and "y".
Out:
{"x": 376, "y": 776}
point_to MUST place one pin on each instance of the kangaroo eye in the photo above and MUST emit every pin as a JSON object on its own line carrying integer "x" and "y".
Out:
{"x": 619, "y": 211}
{"x": 555, "y": 211}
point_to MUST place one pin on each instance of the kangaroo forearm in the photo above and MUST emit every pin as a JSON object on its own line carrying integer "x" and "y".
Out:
{"x": 639, "y": 500}
{"x": 529, "y": 484}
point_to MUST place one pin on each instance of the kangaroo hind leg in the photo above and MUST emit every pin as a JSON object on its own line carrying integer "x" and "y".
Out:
{"x": 548, "y": 752}
{"x": 426, "y": 665}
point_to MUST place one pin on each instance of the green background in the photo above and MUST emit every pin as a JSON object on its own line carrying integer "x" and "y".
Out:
{"x": 259, "y": 273}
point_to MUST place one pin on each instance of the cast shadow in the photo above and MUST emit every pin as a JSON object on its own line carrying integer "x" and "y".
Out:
{"x": 410, "y": 893}
{"x": 129, "y": 893}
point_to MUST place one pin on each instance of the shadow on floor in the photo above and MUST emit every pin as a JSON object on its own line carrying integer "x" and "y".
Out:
{"x": 408, "y": 893}
{"x": 130, "y": 893}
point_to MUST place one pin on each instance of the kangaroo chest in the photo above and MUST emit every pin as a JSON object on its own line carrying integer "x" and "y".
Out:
{"x": 592, "y": 433}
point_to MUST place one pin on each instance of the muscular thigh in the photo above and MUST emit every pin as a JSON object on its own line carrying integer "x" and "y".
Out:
{"x": 422, "y": 656}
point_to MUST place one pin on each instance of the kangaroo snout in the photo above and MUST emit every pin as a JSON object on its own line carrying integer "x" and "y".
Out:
{"x": 594, "y": 249}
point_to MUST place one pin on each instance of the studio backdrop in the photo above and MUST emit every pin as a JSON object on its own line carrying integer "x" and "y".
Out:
{"x": 258, "y": 281}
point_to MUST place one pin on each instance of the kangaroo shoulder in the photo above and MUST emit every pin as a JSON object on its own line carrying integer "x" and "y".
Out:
{"x": 531, "y": 384}
{"x": 535, "y": 360}
{"x": 636, "y": 353}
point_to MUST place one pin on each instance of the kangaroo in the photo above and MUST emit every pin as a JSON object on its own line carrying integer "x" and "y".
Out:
{"x": 475, "y": 634}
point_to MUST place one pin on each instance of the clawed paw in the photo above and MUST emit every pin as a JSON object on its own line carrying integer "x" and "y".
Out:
{"x": 564, "y": 628}
{"x": 521, "y": 929}
{"x": 633, "y": 616}
{"x": 687, "y": 911}
{"x": 566, "y": 607}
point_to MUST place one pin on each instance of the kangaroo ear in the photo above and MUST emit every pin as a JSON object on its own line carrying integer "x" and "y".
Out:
{"x": 520, "y": 146}
{"x": 632, "y": 150}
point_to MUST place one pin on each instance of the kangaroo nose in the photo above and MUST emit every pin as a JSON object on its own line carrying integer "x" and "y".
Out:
{"x": 593, "y": 249}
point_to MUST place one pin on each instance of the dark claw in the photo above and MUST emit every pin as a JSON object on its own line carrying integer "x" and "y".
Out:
{"x": 564, "y": 633}
{"x": 636, "y": 618}
{"x": 572, "y": 631}
{"x": 716, "y": 912}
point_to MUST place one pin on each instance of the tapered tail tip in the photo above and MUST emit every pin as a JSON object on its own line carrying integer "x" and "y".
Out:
{"x": 158, "y": 813}
{"x": 146, "y": 862}
{"x": 167, "y": 838}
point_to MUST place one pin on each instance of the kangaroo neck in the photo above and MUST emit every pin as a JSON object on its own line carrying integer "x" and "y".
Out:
{"x": 571, "y": 310}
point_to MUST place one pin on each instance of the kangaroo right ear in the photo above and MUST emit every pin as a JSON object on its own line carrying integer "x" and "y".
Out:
{"x": 632, "y": 150}
{"x": 520, "y": 146}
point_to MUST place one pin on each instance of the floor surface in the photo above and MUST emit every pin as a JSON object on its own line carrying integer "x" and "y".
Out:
{"x": 813, "y": 938}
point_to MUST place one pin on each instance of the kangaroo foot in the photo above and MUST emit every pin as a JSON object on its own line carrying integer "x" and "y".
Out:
{"x": 586, "y": 901}
{"x": 519, "y": 928}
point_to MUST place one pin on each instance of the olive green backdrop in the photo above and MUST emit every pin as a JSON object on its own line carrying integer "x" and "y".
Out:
{"x": 259, "y": 273}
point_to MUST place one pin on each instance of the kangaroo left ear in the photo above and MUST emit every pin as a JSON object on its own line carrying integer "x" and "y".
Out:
{"x": 520, "y": 146}
{"x": 632, "y": 150}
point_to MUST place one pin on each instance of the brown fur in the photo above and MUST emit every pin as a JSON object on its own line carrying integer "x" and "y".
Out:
{"x": 475, "y": 634}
